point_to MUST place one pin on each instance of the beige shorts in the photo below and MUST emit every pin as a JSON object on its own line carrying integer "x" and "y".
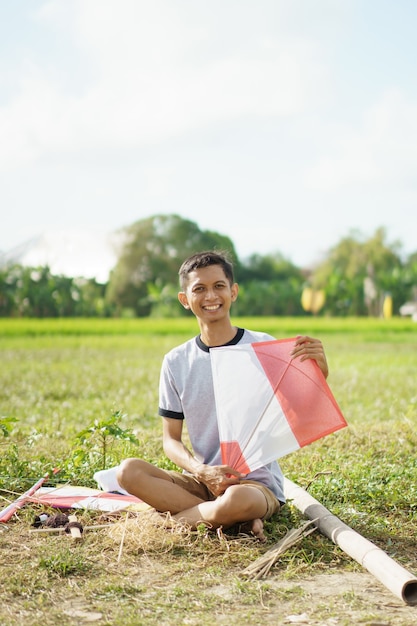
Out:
{"x": 194, "y": 486}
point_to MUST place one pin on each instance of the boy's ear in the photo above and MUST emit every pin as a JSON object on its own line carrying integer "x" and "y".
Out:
{"x": 183, "y": 299}
{"x": 235, "y": 291}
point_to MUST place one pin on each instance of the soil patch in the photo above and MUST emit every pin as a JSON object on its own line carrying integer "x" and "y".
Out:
{"x": 349, "y": 598}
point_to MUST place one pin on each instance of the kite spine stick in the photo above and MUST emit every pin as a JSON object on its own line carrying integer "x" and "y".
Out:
{"x": 392, "y": 575}
{"x": 249, "y": 439}
{"x": 10, "y": 510}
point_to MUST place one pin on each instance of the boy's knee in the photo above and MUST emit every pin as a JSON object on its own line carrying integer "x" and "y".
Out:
{"x": 126, "y": 470}
{"x": 247, "y": 502}
{"x": 231, "y": 500}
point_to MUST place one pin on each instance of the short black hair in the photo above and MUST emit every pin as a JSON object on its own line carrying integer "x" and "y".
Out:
{"x": 205, "y": 259}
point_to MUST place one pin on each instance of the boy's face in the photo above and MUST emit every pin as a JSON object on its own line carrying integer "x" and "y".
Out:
{"x": 209, "y": 293}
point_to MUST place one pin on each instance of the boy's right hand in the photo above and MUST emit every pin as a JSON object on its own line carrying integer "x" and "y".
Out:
{"x": 218, "y": 478}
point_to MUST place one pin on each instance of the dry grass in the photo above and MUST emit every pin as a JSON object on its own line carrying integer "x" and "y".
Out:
{"x": 148, "y": 532}
{"x": 144, "y": 568}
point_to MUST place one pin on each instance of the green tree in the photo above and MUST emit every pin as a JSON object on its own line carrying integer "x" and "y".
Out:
{"x": 358, "y": 273}
{"x": 152, "y": 251}
{"x": 36, "y": 292}
{"x": 269, "y": 285}
{"x": 409, "y": 279}
{"x": 8, "y": 281}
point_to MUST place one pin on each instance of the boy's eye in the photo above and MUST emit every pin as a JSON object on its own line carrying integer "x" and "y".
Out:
{"x": 201, "y": 288}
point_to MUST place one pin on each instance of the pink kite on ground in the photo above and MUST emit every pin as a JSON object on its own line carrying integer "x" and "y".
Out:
{"x": 268, "y": 403}
{"x": 76, "y": 497}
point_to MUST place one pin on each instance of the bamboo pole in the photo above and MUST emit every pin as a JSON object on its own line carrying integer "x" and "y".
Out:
{"x": 7, "y": 513}
{"x": 392, "y": 575}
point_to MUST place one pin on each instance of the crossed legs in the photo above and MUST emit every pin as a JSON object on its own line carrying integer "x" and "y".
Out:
{"x": 238, "y": 504}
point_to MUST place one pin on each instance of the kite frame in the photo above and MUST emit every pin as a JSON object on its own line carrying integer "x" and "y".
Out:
{"x": 7, "y": 513}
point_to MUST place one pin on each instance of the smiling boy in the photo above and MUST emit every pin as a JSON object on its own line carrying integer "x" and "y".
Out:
{"x": 206, "y": 491}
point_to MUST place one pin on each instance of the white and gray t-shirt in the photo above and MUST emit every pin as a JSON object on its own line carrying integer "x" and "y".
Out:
{"x": 186, "y": 393}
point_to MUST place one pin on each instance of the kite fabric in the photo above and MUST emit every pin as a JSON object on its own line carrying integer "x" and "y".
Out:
{"x": 268, "y": 403}
{"x": 77, "y": 497}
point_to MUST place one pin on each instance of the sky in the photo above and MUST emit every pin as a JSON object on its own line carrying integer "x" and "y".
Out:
{"x": 285, "y": 125}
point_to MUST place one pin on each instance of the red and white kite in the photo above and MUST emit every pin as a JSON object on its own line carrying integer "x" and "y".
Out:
{"x": 76, "y": 497}
{"x": 268, "y": 403}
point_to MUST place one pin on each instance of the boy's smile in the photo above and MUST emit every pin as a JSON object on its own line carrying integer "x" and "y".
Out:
{"x": 208, "y": 292}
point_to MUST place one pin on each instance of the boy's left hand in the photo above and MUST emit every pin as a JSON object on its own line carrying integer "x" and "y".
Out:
{"x": 310, "y": 348}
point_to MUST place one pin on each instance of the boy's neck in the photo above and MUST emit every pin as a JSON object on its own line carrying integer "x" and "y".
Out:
{"x": 213, "y": 335}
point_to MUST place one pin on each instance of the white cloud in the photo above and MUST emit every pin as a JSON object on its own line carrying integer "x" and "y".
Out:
{"x": 151, "y": 80}
{"x": 256, "y": 119}
{"x": 383, "y": 150}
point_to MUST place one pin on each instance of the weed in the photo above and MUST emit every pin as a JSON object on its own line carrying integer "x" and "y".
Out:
{"x": 5, "y": 424}
{"x": 65, "y": 562}
{"x": 102, "y": 434}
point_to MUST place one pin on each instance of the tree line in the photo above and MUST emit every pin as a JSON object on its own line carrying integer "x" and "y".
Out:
{"x": 357, "y": 277}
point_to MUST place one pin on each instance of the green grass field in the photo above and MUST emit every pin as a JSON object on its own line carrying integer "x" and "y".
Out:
{"x": 61, "y": 377}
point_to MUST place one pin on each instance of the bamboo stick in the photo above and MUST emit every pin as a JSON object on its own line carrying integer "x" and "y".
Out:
{"x": 10, "y": 510}
{"x": 262, "y": 566}
{"x": 392, "y": 575}
{"x": 61, "y": 529}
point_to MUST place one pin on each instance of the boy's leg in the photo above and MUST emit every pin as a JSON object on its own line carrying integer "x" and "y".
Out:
{"x": 239, "y": 503}
{"x": 155, "y": 486}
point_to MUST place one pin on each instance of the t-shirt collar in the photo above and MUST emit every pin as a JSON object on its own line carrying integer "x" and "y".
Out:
{"x": 232, "y": 342}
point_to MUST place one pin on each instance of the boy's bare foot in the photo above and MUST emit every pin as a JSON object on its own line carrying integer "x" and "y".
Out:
{"x": 255, "y": 527}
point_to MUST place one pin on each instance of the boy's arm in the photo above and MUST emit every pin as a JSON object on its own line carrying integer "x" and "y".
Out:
{"x": 216, "y": 478}
{"x": 174, "y": 447}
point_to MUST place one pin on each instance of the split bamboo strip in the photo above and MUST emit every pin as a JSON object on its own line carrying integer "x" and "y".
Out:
{"x": 262, "y": 566}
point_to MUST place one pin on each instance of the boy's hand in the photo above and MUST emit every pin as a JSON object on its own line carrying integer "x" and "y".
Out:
{"x": 218, "y": 478}
{"x": 309, "y": 348}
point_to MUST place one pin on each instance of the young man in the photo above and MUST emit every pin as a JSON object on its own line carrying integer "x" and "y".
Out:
{"x": 207, "y": 491}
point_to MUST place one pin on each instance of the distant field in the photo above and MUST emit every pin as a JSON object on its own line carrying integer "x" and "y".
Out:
{"x": 59, "y": 373}
{"x": 277, "y": 326}
{"x": 61, "y": 376}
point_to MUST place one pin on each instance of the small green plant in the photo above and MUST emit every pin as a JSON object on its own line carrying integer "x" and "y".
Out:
{"x": 5, "y": 423}
{"x": 14, "y": 469}
{"x": 102, "y": 434}
{"x": 202, "y": 530}
{"x": 64, "y": 562}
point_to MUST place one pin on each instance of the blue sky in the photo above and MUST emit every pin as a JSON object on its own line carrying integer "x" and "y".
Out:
{"x": 282, "y": 124}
